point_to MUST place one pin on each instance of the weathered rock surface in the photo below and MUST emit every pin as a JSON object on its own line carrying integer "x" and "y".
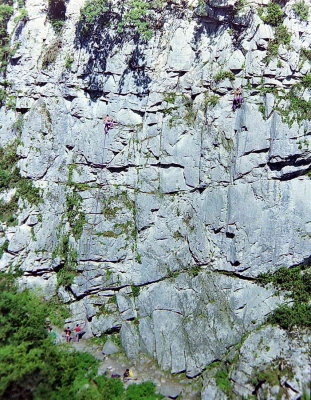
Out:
{"x": 110, "y": 348}
{"x": 183, "y": 203}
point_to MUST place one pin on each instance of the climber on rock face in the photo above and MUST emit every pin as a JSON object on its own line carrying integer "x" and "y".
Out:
{"x": 108, "y": 123}
{"x": 237, "y": 98}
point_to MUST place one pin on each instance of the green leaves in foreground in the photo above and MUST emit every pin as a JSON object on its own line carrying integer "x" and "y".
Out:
{"x": 296, "y": 281}
{"x": 33, "y": 367}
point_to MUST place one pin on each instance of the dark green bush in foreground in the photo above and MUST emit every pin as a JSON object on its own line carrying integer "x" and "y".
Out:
{"x": 32, "y": 367}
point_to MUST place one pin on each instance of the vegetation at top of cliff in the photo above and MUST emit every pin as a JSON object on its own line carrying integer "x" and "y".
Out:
{"x": 296, "y": 281}
{"x": 10, "y": 178}
{"x": 140, "y": 17}
{"x": 33, "y": 367}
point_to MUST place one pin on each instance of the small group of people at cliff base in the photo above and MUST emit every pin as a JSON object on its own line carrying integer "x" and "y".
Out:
{"x": 237, "y": 98}
{"x": 78, "y": 333}
{"x": 108, "y": 123}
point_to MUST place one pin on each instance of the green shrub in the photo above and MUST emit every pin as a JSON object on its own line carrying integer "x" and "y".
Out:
{"x": 27, "y": 191}
{"x": 135, "y": 290}
{"x": 57, "y": 312}
{"x": 211, "y": 100}
{"x": 282, "y": 36}
{"x": 6, "y": 11}
{"x": 298, "y": 108}
{"x": 69, "y": 256}
{"x": 306, "y": 54}
{"x": 223, "y": 381}
{"x": 289, "y": 316}
{"x": 296, "y": 281}
{"x": 8, "y": 211}
{"x": 10, "y": 178}
{"x": 170, "y": 97}
{"x": 69, "y": 61}
{"x": 4, "y": 247}
{"x": 301, "y": 9}
{"x": 220, "y": 76}
{"x": 306, "y": 81}
{"x": 142, "y": 392}
{"x": 3, "y": 96}
{"x": 136, "y": 16}
{"x": 92, "y": 13}
{"x": 22, "y": 16}
{"x": 273, "y": 14}
{"x": 190, "y": 113}
{"x": 272, "y": 375}
{"x": 76, "y": 217}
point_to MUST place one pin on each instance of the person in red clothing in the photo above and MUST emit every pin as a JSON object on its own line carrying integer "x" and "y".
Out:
{"x": 79, "y": 332}
{"x": 68, "y": 334}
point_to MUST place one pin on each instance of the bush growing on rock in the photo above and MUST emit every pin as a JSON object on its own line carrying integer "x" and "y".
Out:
{"x": 301, "y": 9}
{"x": 10, "y": 178}
{"x": 282, "y": 36}
{"x": 273, "y": 14}
{"x": 92, "y": 13}
{"x": 220, "y": 76}
{"x": 134, "y": 16}
{"x": 296, "y": 281}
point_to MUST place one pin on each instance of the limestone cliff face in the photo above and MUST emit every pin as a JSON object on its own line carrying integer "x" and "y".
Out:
{"x": 159, "y": 228}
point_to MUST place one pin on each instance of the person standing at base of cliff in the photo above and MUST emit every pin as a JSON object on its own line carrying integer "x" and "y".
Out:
{"x": 79, "y": 332}
{"x": 52, "y": 334}
{"x": 237, "y": 98}
{"x": 108, "y": 123}
{"x": 67, "y": 334}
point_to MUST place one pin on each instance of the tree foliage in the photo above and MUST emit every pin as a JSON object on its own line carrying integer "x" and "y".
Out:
{"x": 6, "y": 11}
{"x": 32, "y": 367}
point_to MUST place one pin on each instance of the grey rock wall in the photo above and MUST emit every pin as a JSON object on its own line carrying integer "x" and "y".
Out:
{"x": 185, "y": 202}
